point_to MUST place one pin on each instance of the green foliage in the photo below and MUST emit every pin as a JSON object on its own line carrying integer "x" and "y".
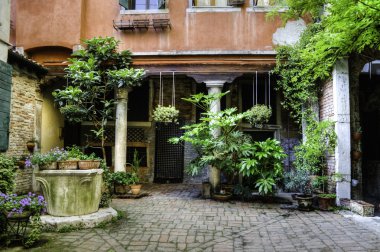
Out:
{"x": 35, "y": 232}
{"x": 263, "y": 159}
{"x": 298, "y": 181}
{"x": 121, "y": 178}
{"x": 166, "y": 114}
{"x": 231, "y": 151}
{"x": 94, "y": 73}
{"x": 7, "y": 174}
{"x": 320, "y": 140}
{"x": 327, "y": 195}
{"x": 259, "y": 115}
{"x": 348, "y": 27}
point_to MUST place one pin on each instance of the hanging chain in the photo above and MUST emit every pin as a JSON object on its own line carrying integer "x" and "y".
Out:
{"x": 269, "y": 88}
{"x": 173, "y": 92}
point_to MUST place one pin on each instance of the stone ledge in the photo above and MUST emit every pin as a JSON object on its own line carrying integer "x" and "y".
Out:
{"x": 53, "y": 223}
{"x": 360, "y": 207}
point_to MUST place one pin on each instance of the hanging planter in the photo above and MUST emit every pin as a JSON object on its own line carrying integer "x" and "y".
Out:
{"x": 165, "y": 114}
{"x": 356, "y": 155}
{"x": 258, "y": 115}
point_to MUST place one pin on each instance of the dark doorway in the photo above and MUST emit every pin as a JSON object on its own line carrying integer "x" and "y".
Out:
{"x": 169, "y": 157}
{"x": 369, "y": 96}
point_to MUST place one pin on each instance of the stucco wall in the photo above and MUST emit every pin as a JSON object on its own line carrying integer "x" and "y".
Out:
{"x": 64, "y": 23}
{"x": 52, "y": 123}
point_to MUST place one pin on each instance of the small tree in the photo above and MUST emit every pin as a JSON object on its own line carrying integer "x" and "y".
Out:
{"x": 93, "y": 75}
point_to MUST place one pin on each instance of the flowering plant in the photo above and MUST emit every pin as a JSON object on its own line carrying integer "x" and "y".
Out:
{"x": 165, "y": 114}
{"x": 12, "y": 204}
{"x": 49, "y": 157}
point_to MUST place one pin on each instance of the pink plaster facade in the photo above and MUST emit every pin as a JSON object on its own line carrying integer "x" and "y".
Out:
{"x": 65, "y": 23}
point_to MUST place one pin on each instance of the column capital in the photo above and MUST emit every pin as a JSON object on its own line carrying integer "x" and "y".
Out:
{"x": 215, "y": 83}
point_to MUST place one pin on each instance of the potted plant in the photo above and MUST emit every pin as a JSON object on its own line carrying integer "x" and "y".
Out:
{"x": 121, "y": 180}
{"x": 21, "y": 161}
{"x": 30, "y": 144}
{"x": 134, "y": 178}
{"x": 258, "y": 115}
{"x": 18, "y": 211}
{"x": 357, "y": 135}
{"x": 70, "y": 160}
{"x": 311, "y": 153}
{"x": 87, "y": 162}
{"x": 298, "y": 182}
{"x": 165, "y": 114}
{"x": 48, "y": 160}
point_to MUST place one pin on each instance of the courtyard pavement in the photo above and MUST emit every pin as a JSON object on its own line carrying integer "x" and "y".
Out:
{"x": 175, "y": 218}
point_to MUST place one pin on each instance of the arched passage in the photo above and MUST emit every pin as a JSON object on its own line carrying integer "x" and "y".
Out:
{"x": 369, "y": 145}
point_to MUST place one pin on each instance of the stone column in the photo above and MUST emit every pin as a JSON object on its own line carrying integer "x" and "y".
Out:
{"x": 341, "y": 100}
{"x": 215, "y": 87}
{"x": 121, "y": 129}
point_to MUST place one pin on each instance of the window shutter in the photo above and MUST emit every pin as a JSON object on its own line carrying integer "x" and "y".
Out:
{"x": 5, "y": 103}
{"x": 124, "y": 3}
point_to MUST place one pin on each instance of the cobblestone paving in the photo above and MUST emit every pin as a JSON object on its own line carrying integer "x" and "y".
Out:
{"x": 174, "y": 218}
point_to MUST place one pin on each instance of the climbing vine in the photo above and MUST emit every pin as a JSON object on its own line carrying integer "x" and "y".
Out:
{"x": 340, "y": 28}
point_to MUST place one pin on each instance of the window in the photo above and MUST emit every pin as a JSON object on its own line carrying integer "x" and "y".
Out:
{"x": 5, "y": 103}
{"x": 210, "y": 3}
{"x": 143, "y": 4}
{"x": 265, "y": 3}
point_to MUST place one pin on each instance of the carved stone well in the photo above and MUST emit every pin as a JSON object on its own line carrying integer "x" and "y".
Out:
{"x": 71, "y": 192}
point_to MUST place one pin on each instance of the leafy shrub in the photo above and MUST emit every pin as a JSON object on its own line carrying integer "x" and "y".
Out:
{"x": 121, "y": 178}
{"x": 7, "y": 174}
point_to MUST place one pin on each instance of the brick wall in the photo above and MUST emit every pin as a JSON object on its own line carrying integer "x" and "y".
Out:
{"x": 326, "y": 105}
{"x": 22, "y": 122}
{"x": 326, "y": 111}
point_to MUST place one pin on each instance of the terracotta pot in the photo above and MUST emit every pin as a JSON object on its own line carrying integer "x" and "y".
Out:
{"x": 88, "y": 164}
{"x": 326, "y": 203}
{"x": 21, "y": 164}
{"x": 357, "y": 136}
{"x": 222, "y": 197}
{"x": 51, "y": 166}
{"x": 121, "y": 189}
{"x": 135, "y": 189}
{"x": 68, "y": 165}
{"x": 30, "y": 146}
{"x": 356, "y": 155}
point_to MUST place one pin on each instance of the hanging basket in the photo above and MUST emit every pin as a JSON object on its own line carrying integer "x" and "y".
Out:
{"x": 165, "y": 114}
{"x": 259, "y": 115}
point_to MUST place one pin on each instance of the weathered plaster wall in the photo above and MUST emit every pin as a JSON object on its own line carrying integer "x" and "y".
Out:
{"x": 51, "y": 23}
{"x": 64, "y": 23}
{"x": 4, "y": 28}
{"x": 52, "y": 122}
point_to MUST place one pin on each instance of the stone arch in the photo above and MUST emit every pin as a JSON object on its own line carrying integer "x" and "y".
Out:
{"x": 49, "y": 54}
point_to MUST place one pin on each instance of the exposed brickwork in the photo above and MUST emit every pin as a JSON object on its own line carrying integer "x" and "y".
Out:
{"x": 22, "y": 122}
{"x": 326, "y": 105}
{"x": 24, "y": 180}
{"x": 326, "y": 111}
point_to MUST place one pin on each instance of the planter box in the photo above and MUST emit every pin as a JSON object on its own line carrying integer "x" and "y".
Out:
{"x": 88, "y": 164}
{"x": 363, "y": 208}
{"x": 68, "y": 165}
